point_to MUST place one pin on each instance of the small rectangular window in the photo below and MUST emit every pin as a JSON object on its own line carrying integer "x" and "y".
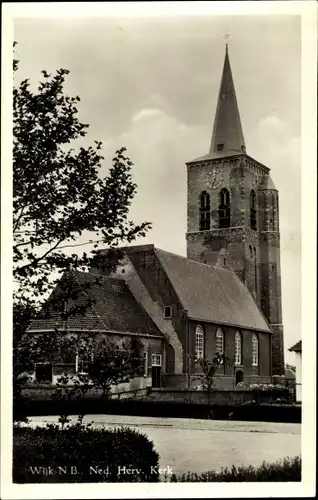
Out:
{"x": 156, "y": 360}
{"x": 82, "y": 362}
{"x": 167, "y": 311}
{"x": 219, "y": 147}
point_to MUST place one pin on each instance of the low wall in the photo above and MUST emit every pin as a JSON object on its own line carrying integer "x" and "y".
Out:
{"x": 140, "y": 388}
{"x": 190, "y": 396}
{"x": 183, "y": 381}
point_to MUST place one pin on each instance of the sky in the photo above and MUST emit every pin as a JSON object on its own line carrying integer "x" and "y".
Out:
{"x": 151, "y": 85}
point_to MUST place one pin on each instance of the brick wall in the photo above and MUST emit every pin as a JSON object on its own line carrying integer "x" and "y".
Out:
{"x": 228, "y": 369}
{"x": 162, "y": 294}
{"x": 148, "y": 344}
{"x": 253, "y": 255}
{"x": 218, "y": 397}
{"x": 149, "y": 284}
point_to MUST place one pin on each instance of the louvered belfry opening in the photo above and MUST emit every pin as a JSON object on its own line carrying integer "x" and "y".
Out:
{"x": 204, "y": 211}
{"x": 224, "y": 208}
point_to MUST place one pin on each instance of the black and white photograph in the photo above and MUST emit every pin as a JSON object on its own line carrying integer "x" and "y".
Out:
{"x": 155, "y": 212}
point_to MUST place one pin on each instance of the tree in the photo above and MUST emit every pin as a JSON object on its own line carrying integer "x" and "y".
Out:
{"x": 290, "y": 367}
{"x": 104, "y": 364}
{"x": 209, "y": 369}
{"x": 110, "y": 364}
{"x": 34, "y": 348}
{"x": 23, "y": 313}
{"x": 58, "y": 193}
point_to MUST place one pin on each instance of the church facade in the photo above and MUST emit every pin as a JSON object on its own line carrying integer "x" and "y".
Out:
{"x": 225, "y": 296}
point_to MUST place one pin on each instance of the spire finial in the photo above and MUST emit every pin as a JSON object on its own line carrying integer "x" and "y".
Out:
{"x": 226, "y": 37}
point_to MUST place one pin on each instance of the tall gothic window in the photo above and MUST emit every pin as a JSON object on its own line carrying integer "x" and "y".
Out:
{"x": 199, "y": 342}
{"x": 253, "y": 209}
{"x": 238, "y": 349}
{"x": 219, "y": 342}
{"x": 204, "y": 211}
{"x": 224, "y": 208}
{"x": 274, "y": 213}
{"x": 254, "y": 350}
{"x": 255, "y": 268}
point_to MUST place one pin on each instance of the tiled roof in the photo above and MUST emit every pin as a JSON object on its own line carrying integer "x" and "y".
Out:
{"x": 296, "y": 347}
{"x": 215, "y": 155}
{"x": 114, "y": 309}
{"x": 212, "y": 294}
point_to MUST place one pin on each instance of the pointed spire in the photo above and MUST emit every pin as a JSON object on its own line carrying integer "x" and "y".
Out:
{"x": 227, "y": 137}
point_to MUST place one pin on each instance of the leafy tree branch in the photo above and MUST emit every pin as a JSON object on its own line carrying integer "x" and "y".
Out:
{"x": 60, "y": 196}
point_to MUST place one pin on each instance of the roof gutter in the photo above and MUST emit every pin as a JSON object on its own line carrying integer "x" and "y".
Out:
{"x": 231, "y": 324}
{"x": 77, "y": 330}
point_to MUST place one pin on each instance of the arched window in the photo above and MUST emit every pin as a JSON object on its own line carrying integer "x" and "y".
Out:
{"x": 204, "y": 211}
{"x": 251, "y": 251}
{"x": 199, "y": 342}
{"x": 253, "y": 209}
{"x": 255, "y": 268}
{"x": 276, "y": 219}
{"x": 224, "y": 208}
{"x": 219, "y": 342}
{"x": 254, "y": 350}
{"x": 238, "y": 349}
{"x": 274, "y": 213}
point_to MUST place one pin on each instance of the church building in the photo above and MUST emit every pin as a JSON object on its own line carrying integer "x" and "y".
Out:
{"x": 224, "y": 297}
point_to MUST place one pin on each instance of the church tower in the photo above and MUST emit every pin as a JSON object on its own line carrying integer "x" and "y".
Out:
{"x": 233, "y": 213}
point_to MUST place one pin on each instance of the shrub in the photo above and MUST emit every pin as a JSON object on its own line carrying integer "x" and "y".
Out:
{"x": 79, "y": 453}
{"x": 286, "y": 470}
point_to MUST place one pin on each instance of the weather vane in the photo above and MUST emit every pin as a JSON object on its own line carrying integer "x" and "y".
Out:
{"x": 226, "y": 37}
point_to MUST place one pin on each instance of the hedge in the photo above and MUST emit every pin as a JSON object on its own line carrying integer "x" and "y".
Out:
{"x": 286, "y": 470}
{"x": 79, "y": 453}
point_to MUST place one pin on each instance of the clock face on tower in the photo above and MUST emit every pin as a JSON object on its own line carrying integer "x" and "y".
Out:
{"x": 214, "y": 179}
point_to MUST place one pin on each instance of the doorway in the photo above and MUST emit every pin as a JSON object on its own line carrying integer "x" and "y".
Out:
{"x": 43, "y": 372}
{"x": 156, "y": 370}
{"x": 239, "y": 376}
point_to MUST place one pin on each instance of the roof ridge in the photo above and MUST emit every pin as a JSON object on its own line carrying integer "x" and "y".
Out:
{"x": 144, "y": 310}
{"x": 196, "y": 261}
{"x": 90, "y": 273}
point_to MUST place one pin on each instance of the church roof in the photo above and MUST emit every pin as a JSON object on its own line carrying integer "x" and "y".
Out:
{"x": 211, "y": 293}
{"x": 114, "y": 309}
{"x": 270, "y": 184}
{"x": 227, "y": 136}
{"x": 296, "y": 347}
{"x": 215, "y": 155}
